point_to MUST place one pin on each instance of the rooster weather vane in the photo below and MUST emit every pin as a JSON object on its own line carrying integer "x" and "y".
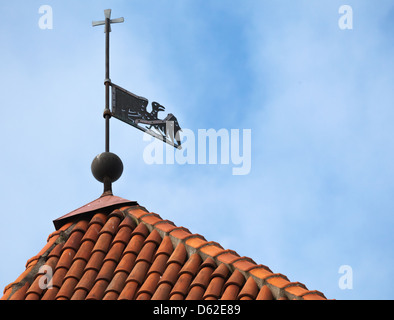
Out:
{"x": 131, "y": 108}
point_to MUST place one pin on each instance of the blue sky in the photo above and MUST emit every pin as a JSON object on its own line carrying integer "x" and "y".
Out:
{"x": 318, "y": 100}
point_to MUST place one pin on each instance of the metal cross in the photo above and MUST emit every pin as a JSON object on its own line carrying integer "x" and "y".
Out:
{"x": 107, "y": 14}
{"x": 107, "y": 82}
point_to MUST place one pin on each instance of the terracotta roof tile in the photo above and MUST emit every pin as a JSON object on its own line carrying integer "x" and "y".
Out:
{"x": 249, "y": 290}
{"x": 215, "y": 287}
{"x": 233, "y": 285}
{"x": 186, "y": 275}
{"x": 122, "y": 251}
{"x": 265, "y": 294}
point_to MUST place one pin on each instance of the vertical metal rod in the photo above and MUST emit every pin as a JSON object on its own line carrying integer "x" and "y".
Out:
{"x": 107, "y": 113}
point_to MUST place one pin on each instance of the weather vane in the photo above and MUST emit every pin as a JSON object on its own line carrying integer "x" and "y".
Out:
{"x": 132, "y": 109}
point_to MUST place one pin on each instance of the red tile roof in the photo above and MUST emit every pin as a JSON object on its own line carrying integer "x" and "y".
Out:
{"x": 113, "y": 248}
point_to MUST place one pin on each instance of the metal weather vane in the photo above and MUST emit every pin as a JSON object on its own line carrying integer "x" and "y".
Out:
{"x": 131, "y": 108}
{"x": 107, "y": 167}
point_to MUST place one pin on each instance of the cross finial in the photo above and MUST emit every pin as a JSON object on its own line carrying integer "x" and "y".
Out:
{"x": 107, "y": 167}
{"x": 107, "y": 14}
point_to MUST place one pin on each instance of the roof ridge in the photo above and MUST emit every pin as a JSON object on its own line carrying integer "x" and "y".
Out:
{"x": 279, "y": 284}
{"x": 80, "y": 248}
{"x": 34, "y": 264}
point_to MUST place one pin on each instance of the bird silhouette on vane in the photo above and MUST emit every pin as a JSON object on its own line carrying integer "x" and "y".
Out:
{"x": 132, "y": 109}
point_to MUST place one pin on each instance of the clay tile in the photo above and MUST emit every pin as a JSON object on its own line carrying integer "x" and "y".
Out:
{"x": 211, "y": 248}
{"x": 73, "y": 241}
{"x": 116, "y": 213}
{"x": 20, "y": 293}
{"x": 32, "y": 296}
{"x": 230, "y": 292}
{"x": 135, "y": 244}
{"x": 227, "y": 256}
{"x": 52, "y": 262}
{"x": 155, "y": 237}
{"x": 98, "y": 290}
{"x": 159, "y": 264}
{"x": 92, "y": 233}
{"x": 180, "y": 289}
{"x": 47, "y": 247}
{"x": 278, "y": 280}
{"x": 244, "y": 264}
{"x": 117, "y": 283}
{"x": 98, "y": 218}
{"x": 58, "y": 277}
{"x": 66, "y": 258}
{"x": 122, "y": 236}
{"x": 128, "y": 222}
{"x": 208, "y": 263}
{"x": 136, "y": 212}
{"x": 215, "y": 286}
{"x": 151, "y": 218}
{"x": 147, "y": 252}
{"x": 59, "y": 231}
{"x": 179, "y": 255}
{"x": 139, "y": 272}
{"x": 103, "y": 242}
{"x": 85, "y": 250}
{"x": 165, "y": 247}
{"x": 180, "y": 232}
{"x": 79, "y": 294}
{"x": 296, "y": 288}
{"x": 35, "y": 287}
{"x": 50, "y": 294}
{"x": 165, "y": 226}
{"x": 261, "y": 271}
{"x": 204, "y": 275}
{"x": 81, "y": 226}
{"x": 95, "y": 261}
{"x": 196, "y": 241}
{"x": 221, "y": 271}
{"x": 67, "y": 288}
{"x": 142, "y": 230}
{"x": 55, "y": 234}
{"x": 56, "y": 251}
{"x": 249, "y": 290}
{"x": 149, "y": 286}
{"x": 214, "y": 289}
{"x": 236, "y": 279}
{"x": 128, "y": 291}
{"x": 32, "y": 261}
{"x": 265, "y": 294}
{"x": 111, "y": 225}
{"x": 76, "y": 270}
{"x": 192, "y": 265}
{"x": 107, "y": 270}
{"x": 313, "y": 295}
{"x": 87, "y": 281}
{"x": 115, "y": 252}
{"x": 195, "y": 293}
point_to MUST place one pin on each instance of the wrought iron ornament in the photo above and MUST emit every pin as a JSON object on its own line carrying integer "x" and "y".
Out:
{"x": 107, "y": 167}
{"x": 132, "y": 109}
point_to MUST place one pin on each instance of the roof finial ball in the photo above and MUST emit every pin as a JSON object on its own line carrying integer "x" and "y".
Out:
{"x": 107, "y": 168}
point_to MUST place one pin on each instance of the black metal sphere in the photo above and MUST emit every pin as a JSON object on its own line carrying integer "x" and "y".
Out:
{"x": 107, "y": 165}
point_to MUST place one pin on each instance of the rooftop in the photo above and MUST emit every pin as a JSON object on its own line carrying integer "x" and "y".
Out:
{"x": 113, "y": 248}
